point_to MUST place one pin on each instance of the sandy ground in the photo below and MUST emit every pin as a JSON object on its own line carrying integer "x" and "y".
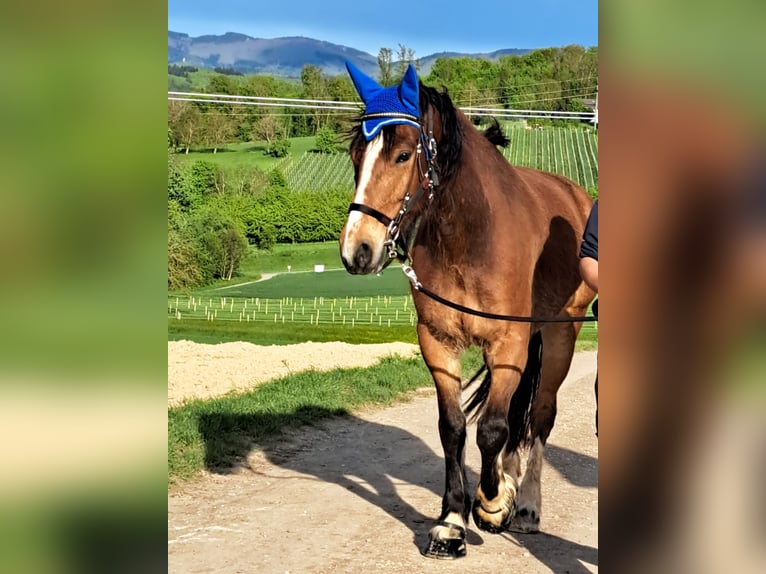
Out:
{"x": 359, "y": 494}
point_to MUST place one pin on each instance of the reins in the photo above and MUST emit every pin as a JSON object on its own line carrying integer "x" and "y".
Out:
{"x": 398, "y": 247}
{"x": 409, "y": 272}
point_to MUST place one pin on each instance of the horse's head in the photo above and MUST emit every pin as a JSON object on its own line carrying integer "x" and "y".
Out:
{"x": 386, "y": 152}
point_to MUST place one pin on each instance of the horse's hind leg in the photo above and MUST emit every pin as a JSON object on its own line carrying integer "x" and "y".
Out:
{"x": 447, "y": 538}
{"x": 558, "y": 349}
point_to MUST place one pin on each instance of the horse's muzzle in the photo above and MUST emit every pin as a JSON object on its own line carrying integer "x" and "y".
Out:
{"x": 361, "y": 260}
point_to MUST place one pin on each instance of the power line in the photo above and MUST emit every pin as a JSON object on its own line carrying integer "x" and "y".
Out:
{"x": 267, "y": 104}
{"x": 264, "y": 98}
{"x": 320, "y": 105}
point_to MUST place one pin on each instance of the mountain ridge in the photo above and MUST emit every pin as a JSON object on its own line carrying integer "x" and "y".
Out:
{"x": 286, "y": 56}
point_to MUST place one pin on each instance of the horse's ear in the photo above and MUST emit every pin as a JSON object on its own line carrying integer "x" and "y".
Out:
{"x": 408, "y": 89}
{"x": 365, "y": 86}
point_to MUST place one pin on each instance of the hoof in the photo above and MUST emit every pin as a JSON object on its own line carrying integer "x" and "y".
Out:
{"x": 525, "y": 521}
{"x": 446, "y": 548}
{"x": 477, "y": 511}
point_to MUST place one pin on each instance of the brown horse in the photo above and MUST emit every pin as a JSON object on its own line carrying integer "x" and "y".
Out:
{"x": 488, "y": 236}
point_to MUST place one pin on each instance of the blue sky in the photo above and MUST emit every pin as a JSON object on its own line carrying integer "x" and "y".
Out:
{"x": 425, "y": 26}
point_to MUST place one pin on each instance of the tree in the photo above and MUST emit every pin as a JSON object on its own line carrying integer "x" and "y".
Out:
{"x": 277, "y": 179}
{"x": 219, "y": 129}
{"x": 185, "y": 123}
{"x": 405, "y": 56}
{"x": 313, "y": 89}
{"x": 221, "y": 242}
{"x": 184, "y": 270}
{"x": 267, "y": 128}
{"x": 221, "y": 84}
{"x": 179, "y": 193}
{"x": 385, "y": 63}
{"x": 326, "y": 140}
{"x": 201, "y": 177}
{"x": 340, "y": 89}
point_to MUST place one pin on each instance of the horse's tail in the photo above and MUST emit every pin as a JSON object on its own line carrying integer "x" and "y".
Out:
{"x": 520, "y": 410}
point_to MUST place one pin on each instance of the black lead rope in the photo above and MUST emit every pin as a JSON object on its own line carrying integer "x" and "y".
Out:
{"x": 410, "y": 273}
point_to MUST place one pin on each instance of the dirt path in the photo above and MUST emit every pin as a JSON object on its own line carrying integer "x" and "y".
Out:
{"x": 359, "y": 495}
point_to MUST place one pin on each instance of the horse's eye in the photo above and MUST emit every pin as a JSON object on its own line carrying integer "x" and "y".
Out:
{"x": 404, "y": 156}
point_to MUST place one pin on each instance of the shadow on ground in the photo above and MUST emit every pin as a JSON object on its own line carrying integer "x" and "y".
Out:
{"x": 560, "y": 555}
{"x": 578, "y": 469}
{"x": 372, "y": 460}
{"x": 366, "y": 458}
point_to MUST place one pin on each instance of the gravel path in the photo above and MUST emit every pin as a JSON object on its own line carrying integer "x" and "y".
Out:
{"x": 359, "y": 493}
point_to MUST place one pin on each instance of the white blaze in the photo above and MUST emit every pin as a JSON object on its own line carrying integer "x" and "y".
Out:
{"x": 365, "y": 174}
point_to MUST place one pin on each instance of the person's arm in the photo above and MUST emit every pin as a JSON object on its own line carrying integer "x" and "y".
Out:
{"x": 589, "y": 250}
{"x": 589, "y": 272}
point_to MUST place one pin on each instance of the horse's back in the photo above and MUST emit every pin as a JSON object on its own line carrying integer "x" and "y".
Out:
{"x": 558, "y": 195}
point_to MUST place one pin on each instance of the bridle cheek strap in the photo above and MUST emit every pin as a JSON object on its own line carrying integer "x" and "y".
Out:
{"x": 382, "y": 217}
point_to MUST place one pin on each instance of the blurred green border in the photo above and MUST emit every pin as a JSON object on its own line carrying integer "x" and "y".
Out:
{"x": 83, "y": 281}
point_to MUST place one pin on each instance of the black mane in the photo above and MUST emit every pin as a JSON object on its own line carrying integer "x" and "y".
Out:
{"x": 495, "y": 134}
{"x": 451, "y": 145}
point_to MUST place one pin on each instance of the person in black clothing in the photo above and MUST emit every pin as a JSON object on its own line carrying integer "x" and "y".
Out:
{"x": 589, "y": 250}
{"x": 589, "y": 267}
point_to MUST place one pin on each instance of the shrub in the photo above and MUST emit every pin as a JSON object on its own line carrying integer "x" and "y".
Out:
{"x": 326, "y": 140}
{"x": 280, "y": 147}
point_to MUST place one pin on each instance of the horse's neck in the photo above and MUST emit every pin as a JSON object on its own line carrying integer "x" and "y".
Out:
{"x": 456, "y": 228}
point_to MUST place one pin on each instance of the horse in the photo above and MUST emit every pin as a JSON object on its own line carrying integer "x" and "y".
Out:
{"x": 479, "y": 234}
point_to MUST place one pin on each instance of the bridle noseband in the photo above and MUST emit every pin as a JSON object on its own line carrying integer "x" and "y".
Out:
{"x": 396, "y": 245}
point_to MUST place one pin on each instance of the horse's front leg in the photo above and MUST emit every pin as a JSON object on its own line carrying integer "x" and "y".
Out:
{"x": 447, "y": 538}
{"x": 495, "y": 496}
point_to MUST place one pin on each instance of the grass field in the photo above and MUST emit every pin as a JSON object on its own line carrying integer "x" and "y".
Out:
{"x": 303, "y": 305}
{"x": 332, "y": 283}
{"x": 300, "y": 256}
{"x": 237, "y": 157}
{"x": 269, "y": 333}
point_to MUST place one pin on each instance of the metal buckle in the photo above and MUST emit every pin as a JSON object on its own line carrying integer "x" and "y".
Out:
{"x": 393, "y": 235}
{"x": 432, "y": 146}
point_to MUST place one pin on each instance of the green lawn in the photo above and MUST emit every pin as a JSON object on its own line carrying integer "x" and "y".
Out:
{"x": 303, "y": 305}
{"x": 301, "y": 256}
{"x": 238, "y": 156}
{"x": 334, "y": 283}
{"x": 267, "y": 333}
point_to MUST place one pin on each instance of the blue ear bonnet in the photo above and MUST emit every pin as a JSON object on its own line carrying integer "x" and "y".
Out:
{"x": 386, "y": 106}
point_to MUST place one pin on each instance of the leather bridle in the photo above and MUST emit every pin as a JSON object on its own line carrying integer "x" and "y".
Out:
{"x": 398, "y": 246}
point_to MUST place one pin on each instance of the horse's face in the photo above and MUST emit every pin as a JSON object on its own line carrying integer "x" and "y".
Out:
{"x": 385, "y": 170}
